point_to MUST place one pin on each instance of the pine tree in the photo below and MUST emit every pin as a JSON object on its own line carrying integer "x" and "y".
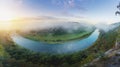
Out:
{"x": 118, "y": 12}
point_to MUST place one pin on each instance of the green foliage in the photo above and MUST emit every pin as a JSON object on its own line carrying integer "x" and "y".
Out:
{"x": 21, "y": 57}
{"x": 3, "y": 53}
{"x": 58, "y": 35}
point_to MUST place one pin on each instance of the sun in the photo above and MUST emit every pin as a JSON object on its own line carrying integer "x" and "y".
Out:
{"x": 6, "y": 15}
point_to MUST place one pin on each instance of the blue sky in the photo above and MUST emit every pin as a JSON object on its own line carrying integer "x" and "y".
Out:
{"x": 93, "y": 11}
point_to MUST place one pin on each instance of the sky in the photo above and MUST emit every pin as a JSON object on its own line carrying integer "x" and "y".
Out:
{"x": 91, "y": 11}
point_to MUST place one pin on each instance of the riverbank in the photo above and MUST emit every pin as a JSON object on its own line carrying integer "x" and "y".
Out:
{"x": 20, "y": 56}
{"x": 110, "y": 58}
{"x": 60, "y": 34}
{"x": 63, "y": 48}
{"x": 78, "y": 59}
{"x": 58, "y": 39}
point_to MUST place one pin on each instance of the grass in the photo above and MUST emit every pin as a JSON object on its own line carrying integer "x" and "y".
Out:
{"x": 59, "y": 34}
{"x": 57, "y": 39}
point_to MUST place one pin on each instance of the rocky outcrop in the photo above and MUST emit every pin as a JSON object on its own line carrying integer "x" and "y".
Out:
{"x": 117, "y": 45}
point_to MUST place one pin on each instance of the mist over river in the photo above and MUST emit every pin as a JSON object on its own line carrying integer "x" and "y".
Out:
{"x": 67, "y": 47}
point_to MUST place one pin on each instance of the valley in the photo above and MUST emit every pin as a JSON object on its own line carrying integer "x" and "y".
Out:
{"x": 18, "y": 56}
{"x": 61, "y": 33}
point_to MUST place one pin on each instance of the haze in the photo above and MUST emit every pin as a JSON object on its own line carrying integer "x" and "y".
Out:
{"x": 15, "y": 12}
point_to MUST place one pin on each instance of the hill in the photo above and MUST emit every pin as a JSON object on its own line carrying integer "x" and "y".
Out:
{"x": 109, "y": 49}
{"x": 60, "y": 32}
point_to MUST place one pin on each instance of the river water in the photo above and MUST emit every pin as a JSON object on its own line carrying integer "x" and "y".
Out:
{"x": 67, "y": 47}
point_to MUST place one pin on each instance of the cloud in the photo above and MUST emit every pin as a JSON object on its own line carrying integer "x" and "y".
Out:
{"x": 11, "y": 4}
{"x": 70, "y": 4}
{"x": 106, "y": 27}
{"x": 67, "y": 14}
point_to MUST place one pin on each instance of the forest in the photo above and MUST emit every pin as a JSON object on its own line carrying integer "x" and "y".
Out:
{"x": 13, "y": 55}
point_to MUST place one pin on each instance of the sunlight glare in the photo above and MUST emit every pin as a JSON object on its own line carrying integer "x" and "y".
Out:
{"x": 6, "y": 16}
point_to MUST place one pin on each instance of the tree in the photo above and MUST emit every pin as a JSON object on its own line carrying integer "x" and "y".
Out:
{"x": 118, "y": 12}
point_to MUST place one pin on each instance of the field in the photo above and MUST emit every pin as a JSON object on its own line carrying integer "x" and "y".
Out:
{"x": 59, "y": 34}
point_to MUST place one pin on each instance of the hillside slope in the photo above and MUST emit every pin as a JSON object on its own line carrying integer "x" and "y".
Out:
{"x": 60, "y": 32}
{"x": 110, "y": 56}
